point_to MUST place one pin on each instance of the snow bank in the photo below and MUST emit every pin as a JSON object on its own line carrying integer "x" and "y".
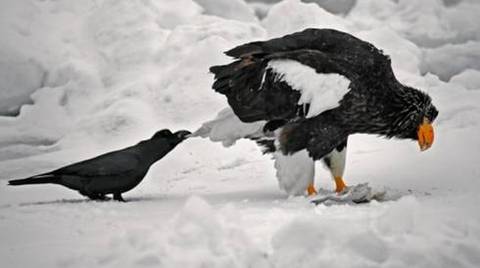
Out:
{"x": 445, "y": 32}
{"x": 334, "y": 6}
{"x": 426, "y": 23}
{"x": 391, "y": 235}
{"x": 449, "y": 60}
{"x": 20, "y": 77}
{"x": 197, "y": 236}
{"x": 232, "y": 9}
{"x": 470, "y": 79}
{"x": 128, "y": 68}
{"x": 300, "y": 16}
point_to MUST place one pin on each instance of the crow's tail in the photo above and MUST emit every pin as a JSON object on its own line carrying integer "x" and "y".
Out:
{"x": 39, "y": 179}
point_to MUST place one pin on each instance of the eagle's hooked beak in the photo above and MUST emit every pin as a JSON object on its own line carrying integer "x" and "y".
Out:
{"x": 425, "y": 135}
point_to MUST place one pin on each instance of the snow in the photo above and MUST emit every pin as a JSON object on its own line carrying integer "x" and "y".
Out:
{"x": 451, "y": 59}
{"x": 91, "y": 76}
{"x": 300, "y": 16}
{"x": 232, "y": 9}
{"x": 469, "y": 78}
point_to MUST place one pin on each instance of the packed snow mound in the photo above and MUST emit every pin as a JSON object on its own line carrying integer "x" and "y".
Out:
{"x": 426, "y": 23}
{"x": 451, "y": 59}
{"x": 118, "y": 79}
{"x": 232, "y": 9}
{"x": 19, "y": 78}
{"x": 374, "y": 238}
{"x": 469, "y": 78}
{"x": 197, "y": 236}
{"x": 334, "y": 6}
{"x": 300, "y": 16}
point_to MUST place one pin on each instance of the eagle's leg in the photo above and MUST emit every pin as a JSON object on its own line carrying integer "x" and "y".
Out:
{"x": 335, "y": 162}
{"x": 340, "y": 184}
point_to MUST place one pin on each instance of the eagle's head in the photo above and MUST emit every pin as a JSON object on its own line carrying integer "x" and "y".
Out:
{"x": 414, "y": 120}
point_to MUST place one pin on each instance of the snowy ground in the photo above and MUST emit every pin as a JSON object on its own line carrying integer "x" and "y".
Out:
{"x": 90, "y": 76}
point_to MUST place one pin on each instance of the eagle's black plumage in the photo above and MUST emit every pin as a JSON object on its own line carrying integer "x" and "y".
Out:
{"x": 114, "y": 172}
{"x": 376, "y": 103}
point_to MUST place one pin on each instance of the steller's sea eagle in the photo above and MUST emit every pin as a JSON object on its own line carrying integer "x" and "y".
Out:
{"x": 301, "y": 95}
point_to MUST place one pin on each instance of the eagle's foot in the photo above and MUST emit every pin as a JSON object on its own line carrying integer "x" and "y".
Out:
{"x": 340, "y": 184}
{"x": 311, "y": 190}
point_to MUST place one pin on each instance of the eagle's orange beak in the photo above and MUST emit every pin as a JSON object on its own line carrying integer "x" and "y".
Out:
{"x": 425, "y": 135}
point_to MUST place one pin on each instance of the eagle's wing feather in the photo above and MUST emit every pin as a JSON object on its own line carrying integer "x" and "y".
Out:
{"x": 300, "y": 79}
{"x": 359, "y": 54}
{"x": 279, "y": 85}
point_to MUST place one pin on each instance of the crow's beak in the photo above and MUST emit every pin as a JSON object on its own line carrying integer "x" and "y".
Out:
{"x": 425, "y": 134}
{"x": 183, "y": 134}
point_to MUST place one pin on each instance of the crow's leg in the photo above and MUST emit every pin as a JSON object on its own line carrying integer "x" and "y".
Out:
{"x": 93, "y": 196}
{"x": 97, "y": 197}
{"x": 118, "y": 197}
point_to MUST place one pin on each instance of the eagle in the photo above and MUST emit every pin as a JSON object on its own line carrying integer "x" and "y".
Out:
{"x": 300, "y": 96}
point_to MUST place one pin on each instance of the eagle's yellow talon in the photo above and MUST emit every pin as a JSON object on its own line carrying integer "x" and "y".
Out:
{"x": 340, "y": 184}
{"x": 311, "y": 190}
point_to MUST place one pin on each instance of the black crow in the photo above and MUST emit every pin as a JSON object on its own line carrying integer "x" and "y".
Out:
{"x": 316, "y": 87}
{"x": 114, "y": 172}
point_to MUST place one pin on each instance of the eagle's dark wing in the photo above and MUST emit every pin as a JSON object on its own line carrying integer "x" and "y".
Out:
{"x": 110, "y": 164}
{"x": 362, "y": 57}
{"x": 257, "y": 91}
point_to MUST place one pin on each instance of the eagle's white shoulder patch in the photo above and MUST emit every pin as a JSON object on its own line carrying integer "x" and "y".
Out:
{"x": 321, "y": 91}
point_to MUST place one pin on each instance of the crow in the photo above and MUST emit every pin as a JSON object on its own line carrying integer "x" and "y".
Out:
{"x": 114, "y": 172}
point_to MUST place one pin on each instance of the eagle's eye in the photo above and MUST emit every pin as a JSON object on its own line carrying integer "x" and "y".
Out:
{"x": 431, "y": 113}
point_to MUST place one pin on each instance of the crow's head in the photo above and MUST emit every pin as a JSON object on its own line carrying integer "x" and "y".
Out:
{"x": 182, "y": 134}
{"x": 167, "y": 134}
{"x": 162, "y": 134}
